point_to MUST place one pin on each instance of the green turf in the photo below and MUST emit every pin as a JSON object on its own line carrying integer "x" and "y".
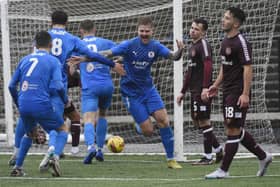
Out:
{"x": 141, "y": 171}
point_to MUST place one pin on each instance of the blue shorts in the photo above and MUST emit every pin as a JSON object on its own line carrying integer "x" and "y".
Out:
{"x": 58, "y": 104}
{"x": 46, "y": 116}
{"x": 143, "y": 106}
{"x": 96, "y": 98}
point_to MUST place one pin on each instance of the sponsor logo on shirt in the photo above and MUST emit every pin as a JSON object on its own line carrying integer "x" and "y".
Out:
{"x": 228, "y": 50}
{"x": 140, "y": 64}
{"x": 90, "y": 67}
{"x": 151, "y": 54}
{"x": 24, "y": 86}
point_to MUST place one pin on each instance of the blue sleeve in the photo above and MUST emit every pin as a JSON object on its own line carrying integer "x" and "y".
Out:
{"x": 120, "y": 49}
{"x": 111, "y": 44}
{"x": 163, "y": 51}
{"x": 56, "y": 85}
{"x": 84, "y": 50}
{"x": 13, "y": 85}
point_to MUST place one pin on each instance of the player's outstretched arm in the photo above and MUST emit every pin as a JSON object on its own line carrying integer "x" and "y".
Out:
{"x": 107, "y": 53}
{"x": 74, "y": 60}
{"x": 177, "y": 54}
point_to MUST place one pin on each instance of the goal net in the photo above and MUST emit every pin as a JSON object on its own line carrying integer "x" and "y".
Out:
{"x": 117, "y": 21}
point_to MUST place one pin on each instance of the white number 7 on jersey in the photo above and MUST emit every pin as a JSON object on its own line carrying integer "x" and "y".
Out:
{"x": 32, "y": 67}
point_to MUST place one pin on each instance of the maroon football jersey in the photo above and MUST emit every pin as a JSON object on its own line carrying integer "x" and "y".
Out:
{"x": 73, "y": 80}
{"x": 199, "y": 54}
{"x": 235, "y": 53}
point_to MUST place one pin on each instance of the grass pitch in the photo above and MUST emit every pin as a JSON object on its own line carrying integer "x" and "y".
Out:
{"x": 130, "y": 171}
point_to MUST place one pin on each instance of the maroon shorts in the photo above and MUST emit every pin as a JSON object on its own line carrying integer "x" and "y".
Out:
{"x": 200, "y": 110}
{"x": 234, "y": 116}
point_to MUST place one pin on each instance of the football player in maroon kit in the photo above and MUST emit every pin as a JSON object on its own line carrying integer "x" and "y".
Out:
{"x": 198, "y": 78}
{"x": 236, "y": 76}
{"x": 71, "y": 112}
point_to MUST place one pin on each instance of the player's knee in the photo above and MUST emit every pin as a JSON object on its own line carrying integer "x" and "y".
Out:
{"x": 229, "y": 123}
{"x": 147, "y": 128}
{"x": 196, "y": 123}
{"x": 163, "y": 122}
{"x": 63, "y": 127}
{"x": 89, "y": 117}
{"x": 148, "y": 132}
{"x": 70, "y": 111}
{"x": 194, "y": 116}
{"x": 32, "y": 134}
{"x": 233, "y": 131}
{"x": 204, "y": 123}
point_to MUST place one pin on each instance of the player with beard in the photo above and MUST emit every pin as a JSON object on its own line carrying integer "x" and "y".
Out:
{"x": 138, "y": 91}
{"x": 236, "y": 76}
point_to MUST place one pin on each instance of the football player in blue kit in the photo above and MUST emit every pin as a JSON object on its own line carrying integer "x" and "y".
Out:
{"x": 138, "y": 92}
{"x": 96, "y": 93}
{"x": 39, "y": 78}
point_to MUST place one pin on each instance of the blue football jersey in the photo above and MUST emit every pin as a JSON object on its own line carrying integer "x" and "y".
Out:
{"x": 138, "y": 59}
{"x": 95, "y": 73}
{"x": 64, "y": 44}
{"x": 38, "y": 74}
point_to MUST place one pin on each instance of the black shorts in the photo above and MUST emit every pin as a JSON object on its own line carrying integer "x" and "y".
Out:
{"x": 200, "y": 110}
{"x": 234, "y": 116}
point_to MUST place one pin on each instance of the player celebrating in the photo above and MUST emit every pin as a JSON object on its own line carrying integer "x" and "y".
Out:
{"x": 63, "y": 45}
{"x": 97, "y": 90}
{"x": 198, "y": 78}
{"x": 236, "y": 75}
{"x": 138, "y": 92}
{"x": 39, "y": 76}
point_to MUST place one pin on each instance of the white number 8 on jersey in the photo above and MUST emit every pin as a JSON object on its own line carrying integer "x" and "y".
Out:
{"x": 56, "y": 46}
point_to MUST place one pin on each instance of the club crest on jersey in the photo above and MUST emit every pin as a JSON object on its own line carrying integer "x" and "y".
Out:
{"x": 24, "y": 86}
{"x": 151, "y": 54}
{"x": 228, "y": 50}
{"x": 193, "y": 52}
{"x": 90, "y": 67}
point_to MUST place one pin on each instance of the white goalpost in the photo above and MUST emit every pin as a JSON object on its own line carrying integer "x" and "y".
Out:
{"x": 178, "y": 82}
{"x": 8, "y": 120}
{"x": 117, "y": 21}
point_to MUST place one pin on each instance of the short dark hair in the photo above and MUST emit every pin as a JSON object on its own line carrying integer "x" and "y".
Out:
{"x": 59, "y": 17}
{"x": 145, "y": 21}
{"x": 238, "y": 14}
{"x": 87, "y": 25}
{"x": 42, "y": 39}
{"x": 203, "y": 22}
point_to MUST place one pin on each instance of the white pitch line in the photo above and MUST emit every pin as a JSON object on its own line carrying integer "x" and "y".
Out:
{"x": 127, "y": 161}
{"x": 156, "y": 161}
{"x": 123, "y": 179}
